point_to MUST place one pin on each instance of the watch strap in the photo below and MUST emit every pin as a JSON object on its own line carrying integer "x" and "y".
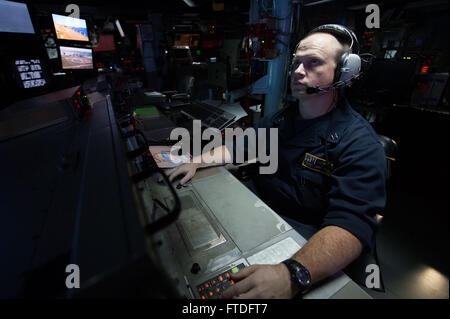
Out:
{"x": 294, "y": 267}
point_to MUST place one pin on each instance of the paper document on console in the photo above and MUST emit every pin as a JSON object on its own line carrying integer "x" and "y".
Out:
{"x": 164, "y": 158}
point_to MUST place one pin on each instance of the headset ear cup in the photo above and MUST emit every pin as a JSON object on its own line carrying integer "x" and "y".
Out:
{"x": 340, "y": 65}
{"x": 351, "y": 66}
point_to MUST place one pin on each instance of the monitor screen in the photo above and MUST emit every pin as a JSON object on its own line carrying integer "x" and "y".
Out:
{"x": 31, "y": 73}
{"x": 68, "y": 28}
{"x": 105, "y": 43}
{"x": 76, "y": 58}
{"x": 14, "y": 17}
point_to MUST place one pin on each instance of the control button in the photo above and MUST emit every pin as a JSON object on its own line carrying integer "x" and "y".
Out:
{"x": 235, "y": 270}
{"x": 220, "y": 278}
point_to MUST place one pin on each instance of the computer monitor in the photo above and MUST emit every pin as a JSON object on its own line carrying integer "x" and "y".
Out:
{"x": 14, "y": 17}
{"x": 68, "y": 28}
{"x": 30, "y": 73}
{"x": 76, "y": 58}
{"x": 105, "y": 43}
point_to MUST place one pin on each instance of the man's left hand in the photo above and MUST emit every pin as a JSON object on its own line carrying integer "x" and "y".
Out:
{"x": 261, "y": 282}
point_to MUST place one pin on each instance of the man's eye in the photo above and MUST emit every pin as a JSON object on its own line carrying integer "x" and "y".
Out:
{"x": 314, "y": 62}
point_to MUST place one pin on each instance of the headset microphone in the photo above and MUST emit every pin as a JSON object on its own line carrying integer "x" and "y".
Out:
{"x": 337, "y": 85}
{"x": 317, "y": 89}
{"x": 312, "y": 90}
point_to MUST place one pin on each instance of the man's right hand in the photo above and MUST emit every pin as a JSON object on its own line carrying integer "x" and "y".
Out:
{"x": 219, "y": 156}
{"x": 188, "y": 170}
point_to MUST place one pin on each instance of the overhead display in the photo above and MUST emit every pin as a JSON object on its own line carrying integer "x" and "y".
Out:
{"x": 14, "y": 17}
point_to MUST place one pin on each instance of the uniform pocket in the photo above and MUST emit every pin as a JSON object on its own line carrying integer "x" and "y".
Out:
{"x": 312, "y": 189}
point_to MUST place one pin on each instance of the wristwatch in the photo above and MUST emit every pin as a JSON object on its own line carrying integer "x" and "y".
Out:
{"x": 300, "y": 276}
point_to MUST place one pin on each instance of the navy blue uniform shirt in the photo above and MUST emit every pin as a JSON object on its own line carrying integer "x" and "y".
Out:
{"x": 347, "y": 190}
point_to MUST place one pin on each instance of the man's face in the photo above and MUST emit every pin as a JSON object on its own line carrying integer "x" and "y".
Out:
{"x": 314, "y": 63}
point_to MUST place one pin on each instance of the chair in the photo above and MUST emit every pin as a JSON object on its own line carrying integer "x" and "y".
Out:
{"x": 357, "y": 269}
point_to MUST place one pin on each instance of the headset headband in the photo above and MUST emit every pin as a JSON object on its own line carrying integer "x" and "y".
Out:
{"x": 339, "y": 31}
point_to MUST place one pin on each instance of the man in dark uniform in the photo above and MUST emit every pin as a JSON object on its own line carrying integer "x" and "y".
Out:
{"x": 331, "y": 172}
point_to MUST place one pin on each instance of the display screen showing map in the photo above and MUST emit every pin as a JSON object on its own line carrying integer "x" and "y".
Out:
{"x": 68, "y": 28}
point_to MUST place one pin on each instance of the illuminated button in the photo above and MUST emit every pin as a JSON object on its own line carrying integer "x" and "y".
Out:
{"x": 227, "y": 275}
{"x": 206, "y": 285}
{"x": 213, "y": 282}
{"x": 203, "y": 297}
{"x": 220, "y": 278}
{"x": 218, "y": 289}
{"x": 232, "y": 282}
{"x": 235, "y": 270}
{"x": 210, "y": 293}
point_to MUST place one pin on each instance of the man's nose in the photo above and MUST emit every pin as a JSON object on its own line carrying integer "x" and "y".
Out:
{"x": 299, "y": 70}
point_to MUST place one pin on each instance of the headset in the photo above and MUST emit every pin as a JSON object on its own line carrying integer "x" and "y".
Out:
{"x": 349, "y": 65}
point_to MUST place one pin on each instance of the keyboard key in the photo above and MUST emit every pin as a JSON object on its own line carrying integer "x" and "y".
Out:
{"x": 214, "y": 287}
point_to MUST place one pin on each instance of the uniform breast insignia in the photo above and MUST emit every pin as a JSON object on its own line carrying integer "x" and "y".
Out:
{"x": 317, "y": 164}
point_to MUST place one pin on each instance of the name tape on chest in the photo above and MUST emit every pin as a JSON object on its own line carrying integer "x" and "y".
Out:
{"x": 317, "y": 164}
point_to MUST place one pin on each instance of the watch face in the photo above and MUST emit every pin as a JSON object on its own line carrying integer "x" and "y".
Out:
{"x": 303, "y": 277}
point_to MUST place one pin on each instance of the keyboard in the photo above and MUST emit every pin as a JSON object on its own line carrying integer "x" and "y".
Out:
{"x": 213, "y": 288}
{"x": 210, "y": 115}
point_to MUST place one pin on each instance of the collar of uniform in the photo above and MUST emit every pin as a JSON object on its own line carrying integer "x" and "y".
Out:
{"x": 339, "y": 121}
{"x": 312, "y": 132}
